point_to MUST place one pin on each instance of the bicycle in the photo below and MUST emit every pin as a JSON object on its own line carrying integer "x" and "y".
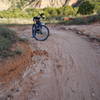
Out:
{"x": 39, "y": 30}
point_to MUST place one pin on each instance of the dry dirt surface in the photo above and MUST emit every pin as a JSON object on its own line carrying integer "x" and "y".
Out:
{"x": 64, "y": 67}
{"x": 91, "y": 31}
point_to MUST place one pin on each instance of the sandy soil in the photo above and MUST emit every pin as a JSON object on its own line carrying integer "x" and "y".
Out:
{"x": 64, "y": 67}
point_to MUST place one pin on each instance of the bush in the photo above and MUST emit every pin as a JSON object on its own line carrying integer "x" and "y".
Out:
{"x": 86, "y": 8}
{"x": 5, "y": 43}
{"x": 50, "y": 11}
{"x": 7, "y": 38}
{"x": 68, "y": 10}
{"x": 97, "y": 5}
{"x": 33, "y": 12}
{"x": 7, "y": 33}
{"x": 15, "y": 13}
{"x": 98, "y": 10}
{"x": 62, "y": 11}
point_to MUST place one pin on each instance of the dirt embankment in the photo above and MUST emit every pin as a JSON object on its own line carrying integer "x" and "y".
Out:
{"x": 12, "y": 67}
{"x": 91, "y": 31}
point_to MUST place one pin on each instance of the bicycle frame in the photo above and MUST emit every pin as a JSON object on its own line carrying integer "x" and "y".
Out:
{"x": 37, "y": 29}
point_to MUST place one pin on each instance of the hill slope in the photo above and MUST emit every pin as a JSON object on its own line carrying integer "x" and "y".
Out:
{"x": 5, "y": 4}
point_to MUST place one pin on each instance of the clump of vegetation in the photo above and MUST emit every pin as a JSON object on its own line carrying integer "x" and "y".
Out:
{"x": 98, "y": 10}
{"x": 30, "y": 12}
{"x": 8, "y": 34}
{"x": 86, "y": 8}
{"x": 7, "y": 38}
{"x": 97, "y": 5}
{"x": 15, "y": 13}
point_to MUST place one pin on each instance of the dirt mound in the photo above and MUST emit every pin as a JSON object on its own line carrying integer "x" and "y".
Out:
{"x": 13, "y": 67}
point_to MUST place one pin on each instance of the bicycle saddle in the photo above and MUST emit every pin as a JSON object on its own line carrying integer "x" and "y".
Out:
{"x": 36, "y": 18}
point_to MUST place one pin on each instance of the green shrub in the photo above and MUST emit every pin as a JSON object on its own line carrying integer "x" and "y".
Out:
{"x": 5, "y": 43}
{"x": 86, "y": 8}
{"x": 33, "y": 12}
{"x": 15, "y": 13}
{"x": 50, "y": 11}
{"x": 59, "y": 11}
{"x": 98, "y": 10}
{"x": 62, "y": 11}
{"x": 68, "y": 10}
{"x": 97, "y": 5}
{"x": 7, "y": 38}
{"x": 7, "y": 33}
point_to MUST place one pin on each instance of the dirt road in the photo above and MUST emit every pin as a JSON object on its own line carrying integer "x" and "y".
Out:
{"x": 65, "y": 67}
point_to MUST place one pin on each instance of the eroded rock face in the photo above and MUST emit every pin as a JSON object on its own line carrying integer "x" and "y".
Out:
{"x": 53, "y": 3}
{"x": 5, "y": 4}
{"x": 72, "y": 2}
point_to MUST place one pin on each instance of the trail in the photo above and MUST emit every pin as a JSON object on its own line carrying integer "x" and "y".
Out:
{"x": 65, "y": 67}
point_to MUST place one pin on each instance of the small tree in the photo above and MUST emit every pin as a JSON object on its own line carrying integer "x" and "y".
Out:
{"x": 86, "y": 8}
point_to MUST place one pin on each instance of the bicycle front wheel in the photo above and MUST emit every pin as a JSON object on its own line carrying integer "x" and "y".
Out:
{"x": 42, "y": 34}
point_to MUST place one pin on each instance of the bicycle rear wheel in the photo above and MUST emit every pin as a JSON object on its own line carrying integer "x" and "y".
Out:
{"x": 33, "y": 30}
{"x": 41, "y": 34}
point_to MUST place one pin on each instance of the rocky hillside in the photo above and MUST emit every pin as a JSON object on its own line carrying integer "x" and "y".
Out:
{"x": 5, "y": 4}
